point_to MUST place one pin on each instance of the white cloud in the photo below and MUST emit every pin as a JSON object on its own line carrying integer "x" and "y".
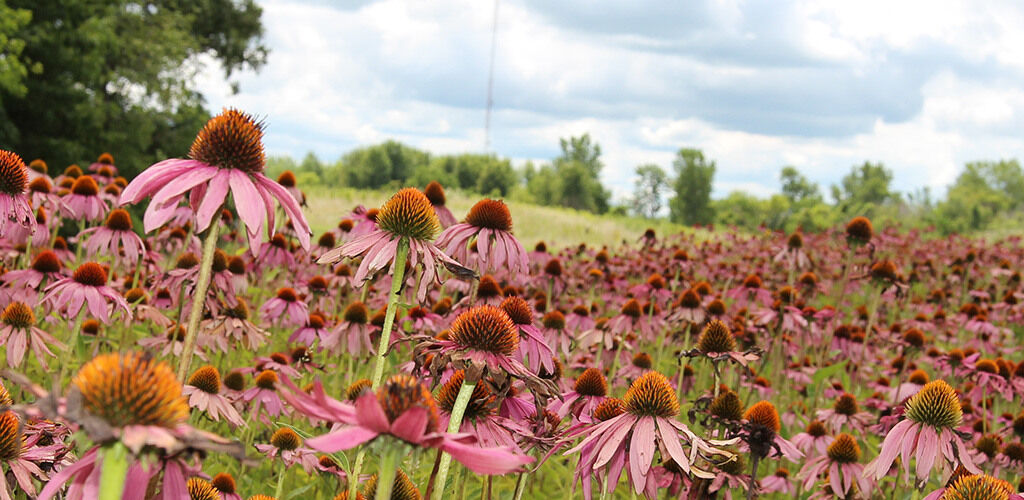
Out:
{"x": 921, "y": 86}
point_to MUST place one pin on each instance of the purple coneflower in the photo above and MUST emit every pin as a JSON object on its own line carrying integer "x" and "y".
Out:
{"x": 86, "y": 289}
{"x": 533, "y": 348}
{"x": 841, "y": 463}
{"x": 287, "y": 445}
{"x": 115, "y": 238}
{"x": 589, "y": 391}
{"x": 23, "y": 455}
{"x": 203, "y": 391}
{"x": 18, "y": 332}
{"x": 285, "y": 308}
{"x": 435, "y": 193}
{"x": 264, "y": 395}
{"x": 83, "y": 202}
{"x": 845, "y": 411}
{"x": 14, "y": 205}
{"x": 489, "y": 225}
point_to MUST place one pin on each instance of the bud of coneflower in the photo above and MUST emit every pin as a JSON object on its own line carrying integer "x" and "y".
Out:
{"x": 401, "y": 392}
{"x": 285, "y": 439}
{"x": 485, "y": 328}
{"x": 591, "y": 383}
{"x": 727, "y": 406}
{"x": 553, "y": 268}
{"x": 409, "y": 214}
{"x": 651, "y": 395}
{"x": 937, "y": 405}
{"x": 764, "y": 421}
{"x": 11, "y": 440}
{"x": 844, "y": 449}
{"x": 481, "y": 402}
{"x": 717, "y": 338}
{"x": 112, "y": 385}
{"x": 403, "y": 488}
{"x": 978, "y": 487}
{"x": 540, "y": 247}
{"x": 490, "y": 214}
{"x": 201, "y": 489}
{"x": 859, "y": 231}
{"x": 357, "y": 389}
{"x": 18, "y": 315}
{"x": 232, "y": 139}
{"x": 206, "y": 379}
{"x": 795, "y": 241}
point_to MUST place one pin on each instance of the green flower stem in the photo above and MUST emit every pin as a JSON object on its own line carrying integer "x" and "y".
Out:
{"x": 458, "y": 411}
{"x": 386, "y": 473}
{"x": 872, "y": 313}
{"x": 199, "y": 298}
{"x": 401, "y": 255}
{"x": 280, "y": 481}
{"x": 353, "y": 475}
{"x": 115, "y": 469}
{"x": 72, "y": 346}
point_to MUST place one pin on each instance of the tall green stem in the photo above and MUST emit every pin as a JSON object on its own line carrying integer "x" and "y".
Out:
{"x": 199, "y": 298}
{"x": 401, "y": 255}
{"x": 386, "y": 473}
{"x": 458, "y": 411}
{"x": 115, "y": 469}
{"x": 72, "y": 347}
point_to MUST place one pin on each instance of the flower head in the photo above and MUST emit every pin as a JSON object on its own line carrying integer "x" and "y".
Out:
{"x": 651, "y": 395}
{"x": 409, "y": 213}
{"x": 937, "y": 405}
{"x": 131, "y": 389}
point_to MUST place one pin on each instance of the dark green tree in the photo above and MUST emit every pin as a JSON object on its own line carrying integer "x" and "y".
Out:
{"x": 692, "y": 201}
{"x": 865, "y": 186}
{"x": 798, "y": 188}
{"x": 118, "y": 75}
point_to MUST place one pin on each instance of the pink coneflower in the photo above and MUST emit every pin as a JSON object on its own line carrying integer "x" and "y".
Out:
{"x": 287, "y": 445}
{"x": 234, "y": 324}
{"x": 762, "y": 433}
{"x": 480, "y": 417}
{"x": 845, "y": 412}
{"x": 84, "y": 202}
{"x": 632, "y": 438}
{"x": 115, "y": 238}
{"x": 14, "y": 205}
{"x": 203, "y": 391}
{"x": 751, "y": 289}
{"x": 688, "y": 308}
{"x": 23, "y": 455}
{"x": 814, "y": 438}
{"x": 264, "y": 394}
{"x": 403, "y": 409}
{"x": 225, "y": 485}
{"x": 226, "y": 157}
{"x": 793, "y": 255}
{"x": 407, "y": 217}
{"x": 779, "y": 482}
{"x": 716, "y": 343}
{"x": 87, "y": 287}
{"x": 928, "y": 432}
{"x": 46, "y": 266}
{"x": 275, "y": 254}
{"x": 311, "y": 332}
{"x": 489, "y": 225}
{"x": 841, "y": 463}
{"x": 533, "y": 349}
{"x": 589, "y": 391}
{"x": 435, "y": 193}
{"x": 285, "y": 309}
{"x": 421, "y": 318}
{"x": 352, "y": 332}
{"x": 19, "y": 332}
{"x": 172, "y": 342}
{"x": 41, "y": 194}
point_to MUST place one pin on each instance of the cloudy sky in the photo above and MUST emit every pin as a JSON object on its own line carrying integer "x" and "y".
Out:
{"x": 922, "y": 86}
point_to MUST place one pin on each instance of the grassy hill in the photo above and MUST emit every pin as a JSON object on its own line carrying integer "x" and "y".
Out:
{"x": 555, "y": 226}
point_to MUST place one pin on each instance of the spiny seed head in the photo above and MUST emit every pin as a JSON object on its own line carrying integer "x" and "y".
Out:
{"x": 816, "y": 429}
{"x": 287, "y": 294}
{"x": 267, "y": 379}
{"x": 914, "y": 337}
{"x": 5, "y": 397}
{"x": 859, "y": 231}
{"x": 201, "y": 489}
{"x": 763, "y": 413}
{"x": 480, "y": 402}
{"x": 402, "y": 392}
{"x": 357, "y": 389}
{"x": 919, "y": 377}
{"x": 846, "y": 404}
{"x": 689, "y": 299}
{"x": 488, "y": 287}
{"x": 236, "y": 265}
{"x": 357, "y": 313}
{"x": 609, "y": 409}
{"x": 986, "y": 366}
{"x": 651, "y": 395}
{"x": 40, "y": 185}
{"x": 884, "y": 270}
{"x": 844, "y": 449}
{"x": 286, "y": 179}
{"x": 727, "y": 406}
{"x": 13, "y": 173}
{"x": 85, "y": 186}
{"x": 409, "y": 213}
{"x": 490, "y": 214}
{"x": 39, "y": 165}
{"x": 187, "y": 260}
{"x": 553, "y": 268}
{"x": 554, "y": 320}
{"x": 752, "y": 281}
{"x": 988, "y": 444}
{"x": 486, "y": 328}
{"x": 90, "y": 274}
{"x": 232, "y": 139}
{"x": 435, "y": 193}
{"x": 19, "y": 316}
{"x": 131, "y": 389}
{"x": 327, "y": 240}
{"x": 119, "y": 220}
{"x": 402, "y": 488}
{"x": 643, "y": 360}
{"x": 234, "y": 380}
{"x": 206, "y": 379}
{"x": 11, "y": 440}
{"x": 978, "y": 487}
{"x": 1014, "y": 451}
{"x": 518, "y": 310}
{"x": 716, "y": 337}
{"x": 937, "y": 405}
{"x": 285, "y": 439}
{"x": 795, "y": 241}
{"x": 591, "y": 383}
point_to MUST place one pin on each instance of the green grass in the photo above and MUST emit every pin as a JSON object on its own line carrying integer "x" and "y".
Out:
{"x": 558, "y": 227}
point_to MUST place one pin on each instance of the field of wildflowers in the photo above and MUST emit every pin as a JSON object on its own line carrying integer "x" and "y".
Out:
{"x": 185, "y": 335}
